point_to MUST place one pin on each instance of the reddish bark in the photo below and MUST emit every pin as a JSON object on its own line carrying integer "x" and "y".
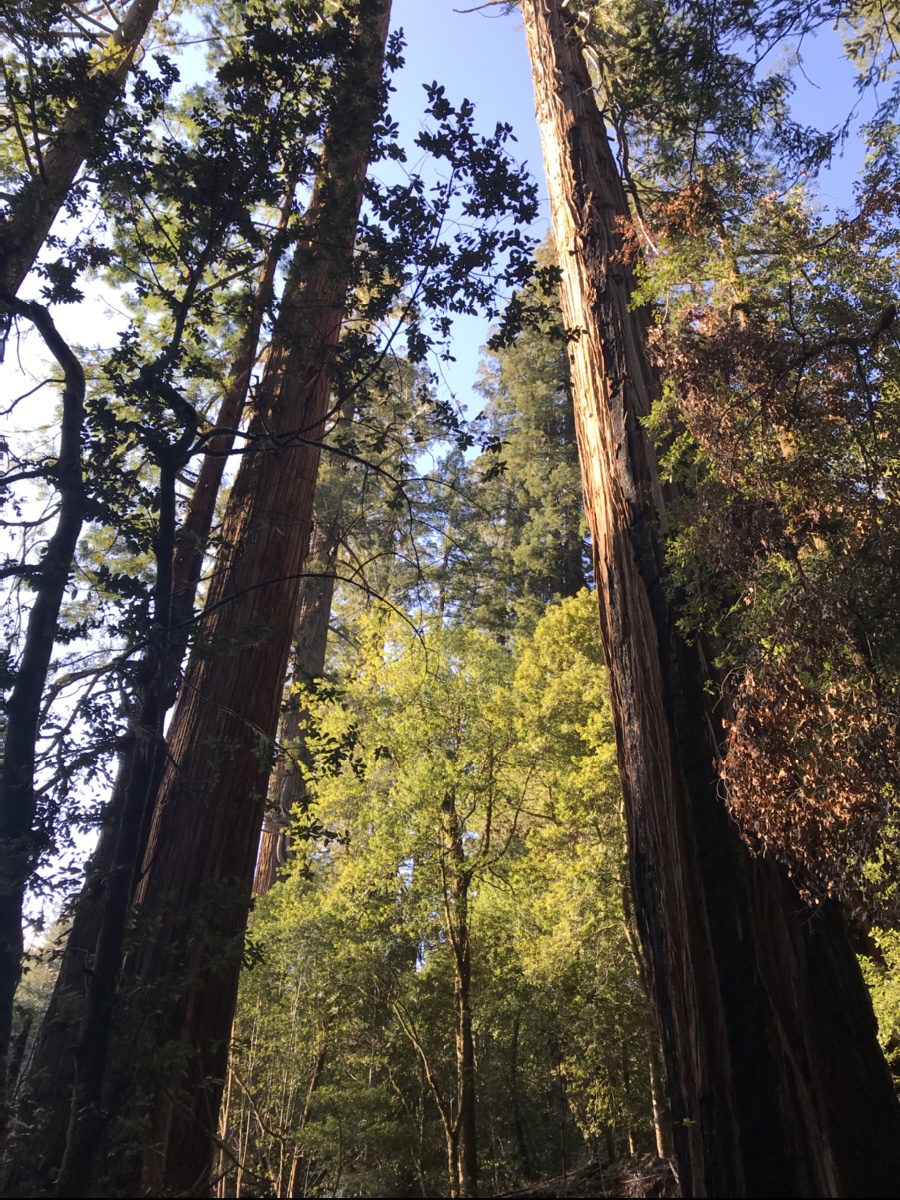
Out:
{"x": 46, "y": 1096}
{"x": 777, "y": 1083}
{"x": 199, "y": 864}
{"x": 310, "y": 644}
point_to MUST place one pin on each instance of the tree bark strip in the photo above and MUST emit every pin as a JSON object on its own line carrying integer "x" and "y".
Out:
{"x": 193, "y": 535}
{"x": 36, "y": 205}
{"x": 458, "y": 929}
{"x": 199, "y": 865}
{"x": 777, "y": 1083}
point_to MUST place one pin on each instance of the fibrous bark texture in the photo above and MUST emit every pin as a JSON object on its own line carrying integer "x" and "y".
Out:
{"x": 777, "y": 1084}
{"x": 197, "y": 874}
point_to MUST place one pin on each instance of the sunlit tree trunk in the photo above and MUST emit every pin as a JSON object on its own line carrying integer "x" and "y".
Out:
{"x": 776, "y": 1080}
{"x": 198, "y": 869}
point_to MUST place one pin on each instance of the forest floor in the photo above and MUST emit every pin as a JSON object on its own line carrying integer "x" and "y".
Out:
{"x": 642, "y": 1176}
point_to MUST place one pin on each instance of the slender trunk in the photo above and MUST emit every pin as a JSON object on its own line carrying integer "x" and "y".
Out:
{"x": 318, "y": 1069}
{"x": 457, "y": 912}
{"x": 518, "y": 1125}
{"x": 777, "y": 1083}
{"x": 467, "y": 1150}
{"x": 48, "y": 1089}
{"x": 450, "y": 1127}
{"x": 34, "y": 208}
{"x": 20, "y": 842}
{"x": 146, "y": 762}
{"x": 662, "y": 1116}
{"x": 197, "y": 875}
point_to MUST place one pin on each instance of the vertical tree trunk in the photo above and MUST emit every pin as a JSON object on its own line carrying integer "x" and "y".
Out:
{"x": 518, "y": 1125}
{"x": 310, "y": 645}
{"x": 467, "y": 1149}
{"x": 34, "y": 208}
{"x": 198, "y": 869}
{"x": 193, "y": 535}
{"x": 457, "y": 911}
{"x": 777, "y": 1083}
{"x": 662, "y": 1116}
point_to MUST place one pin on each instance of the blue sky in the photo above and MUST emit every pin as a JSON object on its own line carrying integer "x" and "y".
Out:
{"x": 482, "y": 56}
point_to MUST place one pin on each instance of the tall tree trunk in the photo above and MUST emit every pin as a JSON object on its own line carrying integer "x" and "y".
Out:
{"x": 144, "y": 765}
{"x": 20, "y": 842}
{"x": 777, "y": 1083}
{"x": 193, "y": 535}
{"x": 467, "y": 1149}
{"x": 34, "y": 208}
{"x": 518, "y": 1124}
{"x": 46, "y": 1096}
{"x": 197, "y": 875}
{"x": 310, "y": 646}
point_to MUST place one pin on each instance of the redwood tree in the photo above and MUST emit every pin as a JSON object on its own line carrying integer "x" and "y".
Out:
{"x": 199, "y": 863}
{"x": 777, "y": 1083}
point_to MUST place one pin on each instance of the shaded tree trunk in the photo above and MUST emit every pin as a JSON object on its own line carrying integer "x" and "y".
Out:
{"x": 47, "y": 1091}
{"x": 518, "y": 1124}
{"x": 457, "y": 912}
{"x": 450, "y": 1126}
{"x": 34, "y": 208}
{"x": 20, "y": 841}
{"x": 659, "y": 1101}
{"x": 197, "y": 874}
{"x": 777, "y": 1083}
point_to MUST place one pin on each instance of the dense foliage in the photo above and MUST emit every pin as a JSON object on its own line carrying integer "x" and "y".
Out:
{"x": 344, "y": 1060}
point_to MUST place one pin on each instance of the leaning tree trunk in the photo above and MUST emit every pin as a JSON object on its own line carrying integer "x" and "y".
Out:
{"x": 777, "y": 1083}
{"x": 194, "y": 895}
{"x": 34, "y": 208}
